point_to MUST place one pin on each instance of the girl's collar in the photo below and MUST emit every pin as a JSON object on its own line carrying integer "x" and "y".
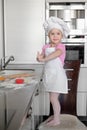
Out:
{"x": 51, "y": 45}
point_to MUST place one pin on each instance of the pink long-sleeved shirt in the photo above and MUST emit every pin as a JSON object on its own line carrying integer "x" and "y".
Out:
{"x": 59, "y": 46}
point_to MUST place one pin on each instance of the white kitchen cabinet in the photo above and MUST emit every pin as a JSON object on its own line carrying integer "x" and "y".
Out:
{"x": 2, "y": 111}
{"x": 24, "y": 32}
{"x": 82, "y": 83}
{"x": 42, "y": 101}
{"x": 82, "y": 104}
{"x": 82, "y": 93}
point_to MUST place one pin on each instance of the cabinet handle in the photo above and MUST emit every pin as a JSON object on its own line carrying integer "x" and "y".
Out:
{"x": 37, "y": 93}
{"x": 69, "y": 79}
{"x": 69, "y": 89}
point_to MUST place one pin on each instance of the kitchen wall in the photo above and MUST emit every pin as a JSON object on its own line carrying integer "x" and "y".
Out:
{"x": 23, "y": 30}
{"x": 24, "y": 33}
{"x": 1, "y": 31}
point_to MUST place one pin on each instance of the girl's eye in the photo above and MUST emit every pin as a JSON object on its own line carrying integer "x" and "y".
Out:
{"x": 52, "y": 33}
{"x": 58, "y": 33}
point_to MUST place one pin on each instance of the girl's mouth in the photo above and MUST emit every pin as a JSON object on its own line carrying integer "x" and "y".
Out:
{"x": 55, "y": 39}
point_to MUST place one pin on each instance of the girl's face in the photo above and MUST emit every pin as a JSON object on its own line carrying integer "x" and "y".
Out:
{"x": 55, "y": 36}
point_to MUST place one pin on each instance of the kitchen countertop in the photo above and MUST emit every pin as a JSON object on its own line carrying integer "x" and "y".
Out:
{"x": 16, "y": 101}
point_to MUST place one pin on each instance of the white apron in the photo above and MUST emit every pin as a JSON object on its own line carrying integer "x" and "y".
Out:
{"x": 54, "y": 77}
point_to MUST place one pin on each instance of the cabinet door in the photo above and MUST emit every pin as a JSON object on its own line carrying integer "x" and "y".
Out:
{"x": 24, "y": 33}
{"x": 68, "y": 101}
{"x": 2, "y": 111}
{"x": 82, "y": 103}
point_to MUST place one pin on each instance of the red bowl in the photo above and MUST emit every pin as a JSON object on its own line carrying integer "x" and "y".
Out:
{"x": 19, "y": 81}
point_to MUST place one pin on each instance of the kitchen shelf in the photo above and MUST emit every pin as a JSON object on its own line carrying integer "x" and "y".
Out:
{"x": 75, "y": 40}
{"x": 63, "y": 7}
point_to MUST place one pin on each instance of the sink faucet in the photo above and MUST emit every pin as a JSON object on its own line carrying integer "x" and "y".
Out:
{"x": 4, "y": 63}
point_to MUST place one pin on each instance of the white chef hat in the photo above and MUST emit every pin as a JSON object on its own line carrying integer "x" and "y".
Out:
{"x": 55, "y": 22}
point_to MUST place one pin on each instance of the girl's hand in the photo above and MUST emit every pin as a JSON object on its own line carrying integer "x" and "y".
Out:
{"x": 40, "y": 57}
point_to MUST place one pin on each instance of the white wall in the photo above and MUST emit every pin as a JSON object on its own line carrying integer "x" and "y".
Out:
{"x": 1, "y": 33}
{"x": 24, "y": 32}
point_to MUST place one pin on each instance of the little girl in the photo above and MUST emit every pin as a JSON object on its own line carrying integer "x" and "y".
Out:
{"x": 53, "y": 55}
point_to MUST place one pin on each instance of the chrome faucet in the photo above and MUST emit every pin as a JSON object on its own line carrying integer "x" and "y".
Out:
{"x": 4, "y": 63}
